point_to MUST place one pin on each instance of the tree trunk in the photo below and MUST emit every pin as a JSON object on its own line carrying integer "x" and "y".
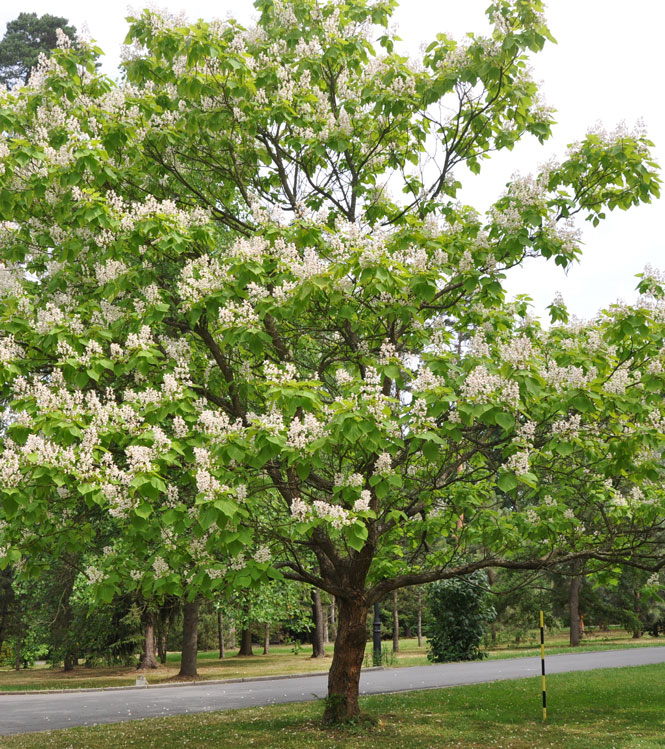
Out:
{"x": 575, "y": 585}
{"x": 326, "y": 636}
{"x": 333, "y": 623}
{"x": 232, "y": 636}
{"x": 161, "y": 646}
{"x": 420, "y": 618}
{"x": 148, "y": 659}
{"x": 318, "y": 650}
{"x": 245, "y": 642}
{"x": 395, "y": 624}
{"x": 19, "y": 638}
{"x": 344, "y": 674}
{"x": 266, "y": 639}
{"x": 190, "y": 636}
{"x": 220, "y": 633}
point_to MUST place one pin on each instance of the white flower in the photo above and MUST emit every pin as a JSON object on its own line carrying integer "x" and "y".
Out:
{"x": 262, "y": 555}
{"x": 362, "y": 504}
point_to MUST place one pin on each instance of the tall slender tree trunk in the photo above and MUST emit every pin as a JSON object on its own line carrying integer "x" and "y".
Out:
{"x": 266, "y": 639}
{"x": 190, "y": 636}
{"x": 318, "y": 650}
{"x": 575, "y": 585}
{"x": 637, "y": 629}
{"x": 326, "y": 635}
{"x": 19, "y": 641}
{"x": 420, "y": 618}
{"x": 395, "y": 624}
{"x": 148, "y": 659}
{"x": 220, "y": 633}
{"x": 344, "y": 674}
{"x": 246, "y": 642}
{"x": 333, "y": 623}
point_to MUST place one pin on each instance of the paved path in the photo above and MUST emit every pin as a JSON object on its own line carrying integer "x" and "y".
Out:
{"x": 40, "y": 712}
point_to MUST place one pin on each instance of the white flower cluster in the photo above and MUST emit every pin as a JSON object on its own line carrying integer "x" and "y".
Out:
{"x": 426, "y": 380}
{"x": 218, "y": 424}
{"x": 304, "y": 432}
{"x": 299, "y": 509}
{"x": 362, "y": 504}
{"x": 282, "y": 375}
{"x": 618, "y": 382}
{"x": 383, "y": 464}
{"x": 334, "y": 514}
{"x": 569, "y": 427}
{"x": 141, "y": 340}
{"x": 234, "y": 315}
{"x": 517, "y": 351}
{"x": 199, "y": 278}
{"x": 568, "y": 377}
{"x": 9, "y": 349}
{"x": 480, "y": 386}
{"x": 109, "y": 271}
{"x": 262, "y": 555}
{"x": 519, "y": 462}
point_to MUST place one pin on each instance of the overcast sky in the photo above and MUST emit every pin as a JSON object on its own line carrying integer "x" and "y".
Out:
{"x": 608, "y": 66}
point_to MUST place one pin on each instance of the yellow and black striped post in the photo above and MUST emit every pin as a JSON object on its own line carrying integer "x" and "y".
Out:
{"x": 542, "y": 664}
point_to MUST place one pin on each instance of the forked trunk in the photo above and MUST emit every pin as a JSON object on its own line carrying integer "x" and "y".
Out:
{"x": 148, "y": 659}
{"x": 190, "y": 634}
{"x": 344, "y": 674}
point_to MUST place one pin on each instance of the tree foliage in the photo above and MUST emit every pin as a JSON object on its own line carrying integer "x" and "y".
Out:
{"x": 231, "y": 346}
{"x": 26, "y": 38}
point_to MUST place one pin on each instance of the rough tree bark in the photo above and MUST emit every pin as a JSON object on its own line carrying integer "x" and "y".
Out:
{"x": 190, "y": 635}
{"x": 148, "y": 659}
{"x": 266, "y": 639}
{"x": 420, "y": 618}
{"x": 220, "y": 633}
{"x": 245, "y": 642}
{"x": 395, "y": 624}
{"x": 344, "y": 674}
{"x": 318, "y": 650}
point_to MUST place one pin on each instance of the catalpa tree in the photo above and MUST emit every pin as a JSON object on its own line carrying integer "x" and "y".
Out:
{"x": 226, "y": 336}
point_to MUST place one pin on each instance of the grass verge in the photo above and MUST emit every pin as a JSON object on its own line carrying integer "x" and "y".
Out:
{"x": 618, "y": 708}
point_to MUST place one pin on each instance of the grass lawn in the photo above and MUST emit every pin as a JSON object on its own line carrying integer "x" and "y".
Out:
{"x": 604, "y": 709}
{"x": 282, "y": 660}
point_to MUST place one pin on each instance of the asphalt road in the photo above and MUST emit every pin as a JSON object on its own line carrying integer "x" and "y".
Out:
{"x": 41, "y": 712}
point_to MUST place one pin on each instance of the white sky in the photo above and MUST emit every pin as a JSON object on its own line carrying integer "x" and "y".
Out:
{"x": 607, "y": 66}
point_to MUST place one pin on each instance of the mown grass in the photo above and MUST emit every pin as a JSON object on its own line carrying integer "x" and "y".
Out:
{"x": 621, "y": 708}
{"x": 282, "y": 660}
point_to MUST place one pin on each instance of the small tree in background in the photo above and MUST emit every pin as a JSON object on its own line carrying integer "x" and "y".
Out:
{"x": 27, "y": 37}
{"x": 461, "y": 611}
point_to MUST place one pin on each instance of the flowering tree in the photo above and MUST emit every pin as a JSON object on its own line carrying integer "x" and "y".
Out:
{"x": 228, "y": 338}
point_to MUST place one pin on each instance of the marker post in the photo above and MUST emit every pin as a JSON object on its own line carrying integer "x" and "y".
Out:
{"x": 542, "y": 664}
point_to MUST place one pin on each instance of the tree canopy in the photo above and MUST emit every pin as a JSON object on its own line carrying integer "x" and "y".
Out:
{"x": 26, "y": 38}
{"x": 233, "y": 351}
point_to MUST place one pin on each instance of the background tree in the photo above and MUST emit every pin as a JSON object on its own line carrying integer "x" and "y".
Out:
{"x": 27, "y": 37}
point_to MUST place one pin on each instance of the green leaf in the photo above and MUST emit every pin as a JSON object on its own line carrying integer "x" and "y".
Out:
{"x": 507, "y": 482}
